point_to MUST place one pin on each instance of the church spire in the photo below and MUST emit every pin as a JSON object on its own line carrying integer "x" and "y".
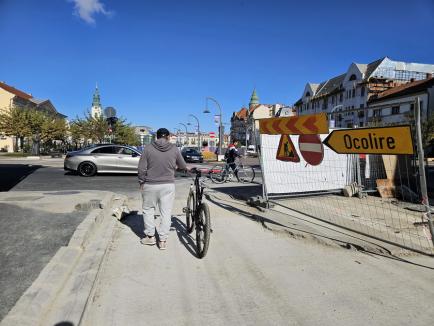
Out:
{"x": 254, "y": 100}
{"x": 96, "y": 101}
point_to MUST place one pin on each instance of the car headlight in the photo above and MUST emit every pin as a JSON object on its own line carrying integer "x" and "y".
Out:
{"x": 188, "y": 156}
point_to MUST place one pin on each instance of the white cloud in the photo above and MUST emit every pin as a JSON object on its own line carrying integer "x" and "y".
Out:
{"x": 86, "y": 9}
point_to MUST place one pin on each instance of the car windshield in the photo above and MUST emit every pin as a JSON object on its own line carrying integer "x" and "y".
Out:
{"x": 192, "y": 152}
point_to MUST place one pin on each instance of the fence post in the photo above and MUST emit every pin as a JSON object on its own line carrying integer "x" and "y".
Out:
{"x": 421, "y": 159}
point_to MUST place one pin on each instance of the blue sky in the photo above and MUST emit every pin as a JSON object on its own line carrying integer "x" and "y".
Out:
{"x": 156, "y": 61}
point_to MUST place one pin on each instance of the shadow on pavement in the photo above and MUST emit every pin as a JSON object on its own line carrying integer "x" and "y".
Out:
{"x": 12, "y": 174}
{"x": 346, "y": 245}
{"x": 241, "y": 192}
{"x": 135, "y": 222}
{"x": 183, "y": 236}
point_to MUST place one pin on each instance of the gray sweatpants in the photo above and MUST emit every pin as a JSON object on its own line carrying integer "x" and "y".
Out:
{"x": 162, "y": 195}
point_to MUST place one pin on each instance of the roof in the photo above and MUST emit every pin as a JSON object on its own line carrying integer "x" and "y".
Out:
{"x": 37, "y": 101}
{"x": 242, "y": 114}
{"x": 372, "y": 66}
{"x": 330, "y": 85}
{"x": 405, "y": 89}
{"x": 15, "y": 91}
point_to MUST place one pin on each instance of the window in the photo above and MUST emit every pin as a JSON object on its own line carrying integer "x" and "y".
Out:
{"x": 362, "y": 106}
{"x": 307, "y": 94}
{"x": 104, "y": 150}
{"x": 411, "y": 107}
{"x": 354, "y": 92}
{"x": 352, "y": 77}
{"x": 377, "y": 113}
{"x": 341, "y": 97}
{"x": 395, "y": 109}
{"x": 362, "y": 91}
{"x": 126, "y": 151}
{"x": 333, "y": 99}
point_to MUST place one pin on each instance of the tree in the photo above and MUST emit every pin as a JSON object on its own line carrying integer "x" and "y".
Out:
{"x": 13, "y": 122}
{"x": 54, "y": 128}
{"x": 125, "y": 134}
{"x": 428, "y": 130}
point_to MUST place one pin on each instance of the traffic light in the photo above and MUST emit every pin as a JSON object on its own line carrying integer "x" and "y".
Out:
{"x": 111, "y": 123}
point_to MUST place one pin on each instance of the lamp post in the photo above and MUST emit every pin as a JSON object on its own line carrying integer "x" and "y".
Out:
{"x": 186, "y": 131}
{"x": 220, "y": 122}
{"x": 198, "y": 131}
{"x": 332, "y": 111}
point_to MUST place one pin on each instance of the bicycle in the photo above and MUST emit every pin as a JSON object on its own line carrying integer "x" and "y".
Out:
{"x": 243, "y": 173}
{"x": 197, "y": 216}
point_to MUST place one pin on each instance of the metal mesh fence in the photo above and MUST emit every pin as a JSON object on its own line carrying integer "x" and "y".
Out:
{"x": 377, "y": 195}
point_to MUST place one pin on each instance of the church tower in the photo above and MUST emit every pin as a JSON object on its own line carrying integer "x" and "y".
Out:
{"x": 96, "y": 104}
{"x": 254, "y": 100}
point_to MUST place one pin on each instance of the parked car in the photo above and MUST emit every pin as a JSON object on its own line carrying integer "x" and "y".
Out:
{"x": 106, "y": 158}
{"x": 191, "y": 154}
{"x": 251, "y": 151}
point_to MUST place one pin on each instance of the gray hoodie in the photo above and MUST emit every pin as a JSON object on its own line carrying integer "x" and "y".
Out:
{"x": 159, "y": 161}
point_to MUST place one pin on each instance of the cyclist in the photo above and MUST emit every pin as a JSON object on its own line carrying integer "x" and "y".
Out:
{"x": 230, "y": 156}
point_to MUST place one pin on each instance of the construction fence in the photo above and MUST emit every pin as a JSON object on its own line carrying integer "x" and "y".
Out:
{"x": 380, "y": 196}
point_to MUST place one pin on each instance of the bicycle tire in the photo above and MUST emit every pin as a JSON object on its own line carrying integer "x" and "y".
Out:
{"x": 191, "y": 206}
{"x": 218, "y": 177}
{"x": 203, "y": 230}
{"x": 245, "y": 174}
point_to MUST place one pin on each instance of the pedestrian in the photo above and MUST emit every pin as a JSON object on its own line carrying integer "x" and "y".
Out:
{"x": 157, "y": 167}
{"x": 230, "y": 156}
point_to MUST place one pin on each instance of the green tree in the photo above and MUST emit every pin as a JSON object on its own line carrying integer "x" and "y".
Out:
{"x": 13, "y": 122}
{"x": 54, "y": 129}
{"x": 428, "y": 130}
{"x": 125, "y": 134}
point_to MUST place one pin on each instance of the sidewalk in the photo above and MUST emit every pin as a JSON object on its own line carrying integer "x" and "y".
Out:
{"x": 251, "y": 276}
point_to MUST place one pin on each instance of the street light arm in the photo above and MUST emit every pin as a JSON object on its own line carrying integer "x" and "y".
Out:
{"x": 215, "y": 101}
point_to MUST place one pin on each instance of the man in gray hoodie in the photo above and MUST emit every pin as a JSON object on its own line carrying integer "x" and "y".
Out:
{"x": 157, "y": 167}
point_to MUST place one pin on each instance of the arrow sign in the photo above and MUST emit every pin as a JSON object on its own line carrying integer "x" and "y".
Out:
{"x": 311, "y": 124}
{"x": 383, "y": 140}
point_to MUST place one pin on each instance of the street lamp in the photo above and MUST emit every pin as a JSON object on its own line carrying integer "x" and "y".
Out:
{"x": 186, "y": 131}
{"x": 332, "y": 111}
{"x": 198, "y": 131}
{"x": 220, "y": 122}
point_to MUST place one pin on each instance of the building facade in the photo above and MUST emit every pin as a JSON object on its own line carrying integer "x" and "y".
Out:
{"x": 10, "y": 97}
{"x": 345, "y": 97}
{"x": 396, "y": 105}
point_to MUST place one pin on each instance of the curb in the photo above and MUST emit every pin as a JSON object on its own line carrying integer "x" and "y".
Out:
{"x": 61, "y": 290}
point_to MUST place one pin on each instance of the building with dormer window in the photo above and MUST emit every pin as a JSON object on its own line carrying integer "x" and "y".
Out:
{"x": 344, "y": 97}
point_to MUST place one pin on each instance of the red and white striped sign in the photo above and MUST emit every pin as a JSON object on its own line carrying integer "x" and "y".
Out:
{"x": 311, "y": 148}
{"x": 212, "y": 134}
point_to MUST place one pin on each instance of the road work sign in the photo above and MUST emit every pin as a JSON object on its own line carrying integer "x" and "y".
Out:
{"x": 311, "y": 149}
{"x": 299, "y": 125}
{"x": 383, "y": 140}
{"x": 286, "y": 150}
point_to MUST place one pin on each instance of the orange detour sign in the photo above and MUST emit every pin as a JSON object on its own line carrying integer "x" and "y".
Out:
{"x": 298, "y": 125}
{"x": 286, "y": 150}
{"x": 311, "y": 149}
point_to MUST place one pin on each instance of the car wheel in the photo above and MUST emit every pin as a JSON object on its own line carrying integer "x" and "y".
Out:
{"x": 86, "y": 169}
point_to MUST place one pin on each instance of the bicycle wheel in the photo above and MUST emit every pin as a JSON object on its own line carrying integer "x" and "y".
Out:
{"x": 203, "y": 230}
{"x": 245, "y": 174}
{"x": 218, "y": 174}
{"x": 191, "y": 206}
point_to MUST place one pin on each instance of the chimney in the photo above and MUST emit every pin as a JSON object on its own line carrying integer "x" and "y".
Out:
{"x": 428, "y": 75}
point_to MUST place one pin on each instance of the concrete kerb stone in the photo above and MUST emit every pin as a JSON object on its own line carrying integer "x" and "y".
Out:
{"x": 80, "y": 259}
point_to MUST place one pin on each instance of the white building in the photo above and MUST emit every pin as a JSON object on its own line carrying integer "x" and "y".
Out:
{"x": 347, "y": 95}
{"x": 396, "y": 105}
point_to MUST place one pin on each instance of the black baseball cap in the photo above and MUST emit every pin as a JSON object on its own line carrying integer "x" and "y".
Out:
{"x": 162, "y": 132}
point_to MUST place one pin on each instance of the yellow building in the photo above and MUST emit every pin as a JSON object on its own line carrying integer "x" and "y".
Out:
{"x": 11, "y": 97}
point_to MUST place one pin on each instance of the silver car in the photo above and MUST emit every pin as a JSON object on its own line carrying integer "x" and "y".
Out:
{"x": 107, "y": 158}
